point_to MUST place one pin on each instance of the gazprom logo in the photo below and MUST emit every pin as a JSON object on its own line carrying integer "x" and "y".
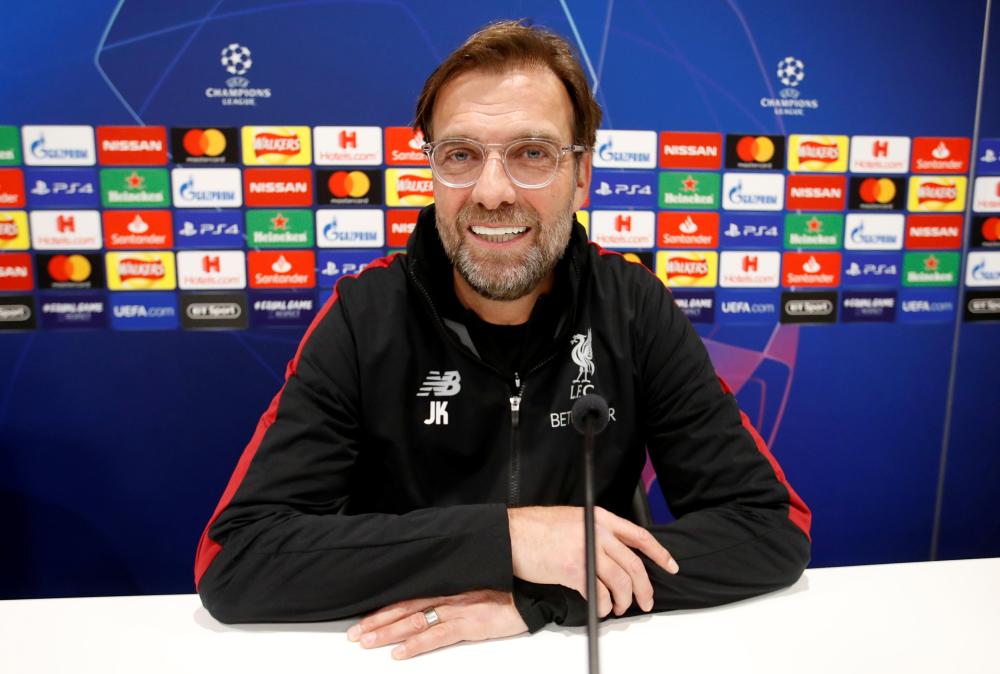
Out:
{"x": 608, "y": 153}
{"x": 625, "y": 149}
{"x": 39, "y": 151}
{"x": 188, "y": 192}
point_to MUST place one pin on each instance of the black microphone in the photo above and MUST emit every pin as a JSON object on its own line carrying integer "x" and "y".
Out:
{"x": 590, "y": 417}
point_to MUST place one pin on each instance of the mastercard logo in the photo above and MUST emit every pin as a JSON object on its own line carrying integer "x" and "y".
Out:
{"x": 758, "y": 149}
{"x": 877, "y": 190}
{"x": 344, "y": 184}
{"x": 204, "y": 142}
{"x": 65, "y": 268}
{"x": 991, "y": 229}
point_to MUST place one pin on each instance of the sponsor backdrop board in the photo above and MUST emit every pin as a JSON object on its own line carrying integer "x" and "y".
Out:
{"x": 177, "y": 201}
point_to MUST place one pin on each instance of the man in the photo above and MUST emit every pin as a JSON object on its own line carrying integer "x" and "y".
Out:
{"x": 418, "y": 461}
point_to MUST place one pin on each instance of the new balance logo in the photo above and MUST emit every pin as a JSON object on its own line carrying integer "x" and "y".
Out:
{"x": 441, "y": 384}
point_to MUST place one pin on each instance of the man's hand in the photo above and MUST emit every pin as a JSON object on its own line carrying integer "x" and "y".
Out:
{"x": 471, "y": 616}
{"x": 547, "y": 544}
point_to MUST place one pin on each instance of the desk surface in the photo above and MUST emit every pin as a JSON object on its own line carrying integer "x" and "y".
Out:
{"x": 928, "y": 617}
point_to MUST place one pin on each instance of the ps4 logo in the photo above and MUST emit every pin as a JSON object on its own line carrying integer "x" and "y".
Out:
{"x": 209, "y": 229}
{"x": 41, "y": 188}
{"x": 735, "y": 231}
{"x": 624, "y": 189}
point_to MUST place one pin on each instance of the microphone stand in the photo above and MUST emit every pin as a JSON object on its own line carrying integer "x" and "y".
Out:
{"x": 590, "y": 417}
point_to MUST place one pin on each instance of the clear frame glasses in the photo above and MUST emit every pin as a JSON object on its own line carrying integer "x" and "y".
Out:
{"x": 530, "y": 163}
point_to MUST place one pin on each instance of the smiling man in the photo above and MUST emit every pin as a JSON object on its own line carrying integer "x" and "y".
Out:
{"x": 418, "y": 466}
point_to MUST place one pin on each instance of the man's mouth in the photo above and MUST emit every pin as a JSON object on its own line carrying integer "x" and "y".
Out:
{"x": 498, "y": 234}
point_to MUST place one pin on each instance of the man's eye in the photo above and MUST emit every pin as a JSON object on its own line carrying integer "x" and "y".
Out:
{"x": 533, "y": 153}
{"x": 460, "y": 155}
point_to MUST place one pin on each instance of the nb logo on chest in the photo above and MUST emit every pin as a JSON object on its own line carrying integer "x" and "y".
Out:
{"x": 438, "y": 384}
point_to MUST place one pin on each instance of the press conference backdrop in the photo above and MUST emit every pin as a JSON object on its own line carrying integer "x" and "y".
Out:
{"x": 798, "y": 173}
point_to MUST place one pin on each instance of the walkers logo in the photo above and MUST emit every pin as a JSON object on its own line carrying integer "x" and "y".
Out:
{"x": 623, "y": 229}
{"x": 399, "y": 225}
{"x": 347, "y": 145}
{"x": 930, "y": 269}
{"x": 141, "y": 270}
{"x": 17, "y": 312}
{"x": 790, "y": 72}
{"x": 209, "y": 229}
{"x": 872, "y": 269}
{"x": 941, "y": 155}
{"x": 11, "y": 188}
{"x": 75, "y": 311}
{"x": 403, "y": 147}
{"x": 985, "y": 232}
{"x": 134, "y": 187}
{"x": 289, "y": 228}
{"x": 284, "y": 145}
{"x": 989, "y": 156}
{"x": 625, "y": 149}
{"x": 880, "y": 154}
{"x": 740, "y": 307}
{"x": 687, "y": 230}
{"x": 214, "y": 311}
{"x": 936, "y": 232}
{"x": 927, "y": 305}
{"x": 236, "y": 59}
{"x": 62, "y": 188}
{"x": 65, "y": 230}
{"x": 814, "y": 154}
{"x": 688, "y": 191}
{"x": 132, "y": 145}
{"x": 687, "y": 268}
{"x": 860, "y": 306}
{"x": 288, "y": 309}
{"x": 350, "y": 228}
{"x": 816, "y": 193}
{"x": 937, "y": 193}
{"x": 749, "y": 269}
{"x": 16, "y": 272}
{"x": 14, "y": 230}
{"x": 883, "y": 231}
{"x": 808, "y": 307}
{"x": 10, "y": 146}
{"x": 357, "y": 187}
{"x": 278, "y": 187}
{"x": 986, "y": 195}
{"x": 144, "y": 311}
{"x": 204, "y": 145}
{"x": 982, "y": 305}
{"x": 211, "y": 270}
{"x": 138, "y": 229}
{"x": 76, "y": 270}
{"x": 753, "y": 191}
{"x": 697, "y": 305}
{"x": 680, "y": 150}
{"x": 755, "y": 152}
{"x": 409, "y": 187}
{"x": 282, "y": 269}
{"x": 739, "y": 230}
{"x": 58, "y": 145}
{"x": 820, "y": 270}
{"x": 334, "y": 264}
{"x": 877, "y": 194}
{"x": 201, "y": 188}
{"x": 982, "y": 269}
{"x": 623, "y": 188}
{"x": 813, "y": 230}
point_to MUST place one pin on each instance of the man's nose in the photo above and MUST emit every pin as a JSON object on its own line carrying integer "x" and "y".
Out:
{"x": 494, "y": 187}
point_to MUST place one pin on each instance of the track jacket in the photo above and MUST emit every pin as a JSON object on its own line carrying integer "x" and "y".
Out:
{"x": 384, "y": 467}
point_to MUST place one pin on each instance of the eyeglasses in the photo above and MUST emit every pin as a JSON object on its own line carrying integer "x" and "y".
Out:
{"x": 530, "y": 163}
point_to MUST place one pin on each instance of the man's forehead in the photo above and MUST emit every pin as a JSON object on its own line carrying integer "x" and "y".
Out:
{"x": 515, "y": 103}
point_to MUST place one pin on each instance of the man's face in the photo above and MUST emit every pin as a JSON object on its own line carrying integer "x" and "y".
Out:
{"x": 504, "y": 239}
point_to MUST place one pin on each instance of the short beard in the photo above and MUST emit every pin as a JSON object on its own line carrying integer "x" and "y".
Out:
{"x": 492, "y": 274}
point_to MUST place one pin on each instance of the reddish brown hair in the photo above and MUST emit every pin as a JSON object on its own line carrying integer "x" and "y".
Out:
{"x": 504, "y": 45}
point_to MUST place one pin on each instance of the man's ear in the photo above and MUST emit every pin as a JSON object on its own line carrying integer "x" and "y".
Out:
{"x": 583, "y": 174}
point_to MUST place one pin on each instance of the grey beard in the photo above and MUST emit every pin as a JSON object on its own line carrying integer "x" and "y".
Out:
{"x": 513, "y": 283}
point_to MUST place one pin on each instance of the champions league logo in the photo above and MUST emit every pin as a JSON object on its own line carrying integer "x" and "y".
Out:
{"x": 791, "y": 72}
{"x": 237, "y": 60}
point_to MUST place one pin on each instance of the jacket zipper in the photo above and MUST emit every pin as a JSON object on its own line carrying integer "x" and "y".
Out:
{"x": 513, "y": 486}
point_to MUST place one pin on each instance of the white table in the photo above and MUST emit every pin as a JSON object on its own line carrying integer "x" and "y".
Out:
{"x": 938, "y": 617}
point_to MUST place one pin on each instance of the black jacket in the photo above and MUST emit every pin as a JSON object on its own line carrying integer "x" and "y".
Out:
{"x": 384, "y": 467}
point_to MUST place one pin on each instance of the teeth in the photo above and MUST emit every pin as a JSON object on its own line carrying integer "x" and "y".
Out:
{"x": 497, "y": 231}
